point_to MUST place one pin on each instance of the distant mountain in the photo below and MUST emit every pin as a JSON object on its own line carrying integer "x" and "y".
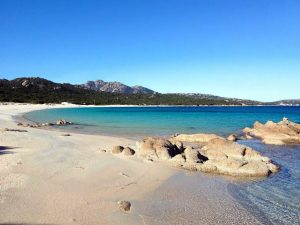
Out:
{"x": 236, "y": 101}
{"x": 287, "y": 102}
{"x": 39, "y": 90}
{"x": 116, "y": 87}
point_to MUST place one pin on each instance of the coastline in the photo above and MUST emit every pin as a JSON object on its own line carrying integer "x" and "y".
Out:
{"x": 49, "y": 178}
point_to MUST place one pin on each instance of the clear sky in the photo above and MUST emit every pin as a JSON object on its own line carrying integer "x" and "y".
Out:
{"x": 234, "y": 48}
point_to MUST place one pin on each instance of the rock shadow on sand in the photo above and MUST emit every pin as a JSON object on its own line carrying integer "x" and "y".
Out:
{"x": 6, "y": 150}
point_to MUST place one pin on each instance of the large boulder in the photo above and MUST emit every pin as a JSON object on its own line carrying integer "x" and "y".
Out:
{"x": 230, "y": 158}
{"x": 157, "y": 148}
{"x": 281, "y": 133}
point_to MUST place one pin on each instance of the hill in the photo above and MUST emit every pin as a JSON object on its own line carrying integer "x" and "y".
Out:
{"x": 39, "y": 90}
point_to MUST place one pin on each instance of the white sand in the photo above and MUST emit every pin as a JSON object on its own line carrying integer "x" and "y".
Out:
{"x": 53, "y": 179}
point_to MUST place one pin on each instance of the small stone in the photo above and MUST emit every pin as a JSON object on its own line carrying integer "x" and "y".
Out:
{"x": 117, "y": 149}
{"x": 103, "y": 150}
{"x": 124, "y": 206}
{"x": 148, "y": 160}
{"x": 128, "y": 151}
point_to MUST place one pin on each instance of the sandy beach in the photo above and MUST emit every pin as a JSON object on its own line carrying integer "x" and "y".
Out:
{"x": 47, "y": 178}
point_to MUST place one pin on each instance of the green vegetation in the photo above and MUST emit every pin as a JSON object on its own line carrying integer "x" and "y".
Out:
{"x": 38, "y": 90}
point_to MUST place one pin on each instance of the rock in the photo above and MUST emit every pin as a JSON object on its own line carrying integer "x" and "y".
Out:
{"x": 230, "y": 158}
{"x": 148, "y": 160}
{"x": 25, "y": 83}
{"x": 128, "y": 151}
{"x": 117, "y": 149}
{"x": 103, "y": 150}
{"x": 179, "y": 145}
{"x": 219, "y": 148}
{"x": 124, "y": 206}
{"x": 232, "y": 137}
{"x": 202, "y": 138}
{"x": 47, "y": 124}
{"x": 281, "y": 133}
{"x": 66, "y": 135}
{"x": 178, "y": 159}
{"x": 191, "y": 155}
{"x": 63, "y": 122}
{"x": 157, "y": 148}
{"x": 218, "y": 155}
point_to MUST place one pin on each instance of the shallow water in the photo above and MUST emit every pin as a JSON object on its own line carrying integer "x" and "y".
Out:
{"x": 143, "y": 121}
{"x": 275, "y": 200}
{"x": 278, "y": 197}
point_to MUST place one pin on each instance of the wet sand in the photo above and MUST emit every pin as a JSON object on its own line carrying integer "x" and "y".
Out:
{"x": 47, "y": 178}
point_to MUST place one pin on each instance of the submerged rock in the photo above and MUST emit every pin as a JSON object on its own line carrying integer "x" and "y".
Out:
{"x": 281, "y": 133}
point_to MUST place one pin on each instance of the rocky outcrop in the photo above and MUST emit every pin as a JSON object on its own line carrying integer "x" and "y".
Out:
{"x": 63, "y": 122}
{"x": 157, "y": 148}
{"x": 217, "y": 155}
{"x": 281, "y": 133}
{"x": 230, "y": 158}
{"x": 202, "y": 138}
{"x": 116, "y": 87}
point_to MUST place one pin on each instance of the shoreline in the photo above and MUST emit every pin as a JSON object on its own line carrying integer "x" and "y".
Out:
{"x": 54, "y": 172}
{"x": 70, "y": 105}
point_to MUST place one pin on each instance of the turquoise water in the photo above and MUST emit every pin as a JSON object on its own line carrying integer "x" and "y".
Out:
{"x": 143, "y": 121}
{"x": 275, "y": 200}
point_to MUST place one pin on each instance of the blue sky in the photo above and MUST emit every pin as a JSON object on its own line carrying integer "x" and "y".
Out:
{"x": 245, "y": 49}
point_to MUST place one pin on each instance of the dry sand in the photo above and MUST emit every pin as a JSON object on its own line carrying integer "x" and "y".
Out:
{"x": 47, "y": 178}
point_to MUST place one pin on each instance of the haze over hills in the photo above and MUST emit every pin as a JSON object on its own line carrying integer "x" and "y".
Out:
{"x": 39, "y": 90}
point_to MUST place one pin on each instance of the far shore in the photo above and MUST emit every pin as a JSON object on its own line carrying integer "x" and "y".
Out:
{"x": 70, "y": 105}
{"x": 48, "y": 178}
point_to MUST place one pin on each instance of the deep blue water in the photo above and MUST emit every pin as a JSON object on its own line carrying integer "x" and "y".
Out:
{"x": 276, "y": 198}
